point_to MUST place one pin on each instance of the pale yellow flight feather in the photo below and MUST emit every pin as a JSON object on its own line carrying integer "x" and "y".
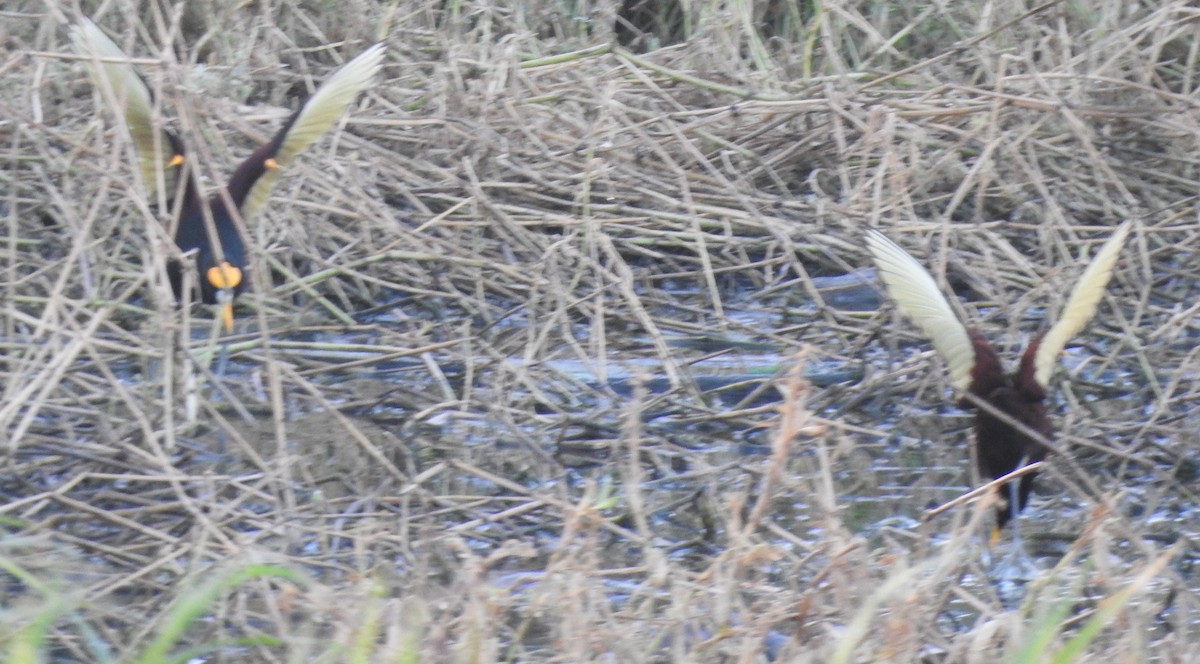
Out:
{"x": 316, "y": 117}
{"x": 1081, "y": 305}
{"x": 113, "y": 75}
{"x": 918, "y": 297}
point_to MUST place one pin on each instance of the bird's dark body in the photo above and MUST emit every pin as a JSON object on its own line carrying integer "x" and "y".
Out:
{"x": 192, "y": 234}
{"x": 1000, "y": 447}
{"x": 192, "y": 231}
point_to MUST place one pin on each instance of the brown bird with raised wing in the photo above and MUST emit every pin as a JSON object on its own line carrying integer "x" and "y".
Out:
{"x": 999, "y": 399}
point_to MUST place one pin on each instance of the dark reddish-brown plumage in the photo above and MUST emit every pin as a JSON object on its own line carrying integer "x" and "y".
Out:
{"x": 1000, "y": 447}
{"x": 1011, "y": 421}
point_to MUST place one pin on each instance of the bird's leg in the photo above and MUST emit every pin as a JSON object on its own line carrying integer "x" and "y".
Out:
{"x": 1017, "y": 564}
{"x": 1013, "y": 497}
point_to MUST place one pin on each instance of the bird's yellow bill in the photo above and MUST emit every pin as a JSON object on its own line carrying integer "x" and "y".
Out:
{"x": 227, "y": 312}
{"x": 225, "y": 278}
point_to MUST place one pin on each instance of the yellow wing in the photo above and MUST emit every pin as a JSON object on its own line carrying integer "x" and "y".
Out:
{"x": 1081, "y": 305}
{"x": 120, "y": 84}
{"x": 314, "y": 118}
{"x": 918, "y": 297}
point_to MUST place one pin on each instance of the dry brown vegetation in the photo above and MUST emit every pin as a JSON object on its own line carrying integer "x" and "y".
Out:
{"x": 507, "y": 387}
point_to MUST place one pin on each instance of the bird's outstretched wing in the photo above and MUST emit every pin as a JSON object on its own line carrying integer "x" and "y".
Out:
{"x": 314, "y": 118}
{"x": 918, "y": 297}
{"x": 1081, "y": 305}
{"x": 158, "y": 152}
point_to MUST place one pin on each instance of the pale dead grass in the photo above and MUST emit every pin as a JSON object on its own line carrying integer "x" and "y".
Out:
{"x": 416, "y": 418}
